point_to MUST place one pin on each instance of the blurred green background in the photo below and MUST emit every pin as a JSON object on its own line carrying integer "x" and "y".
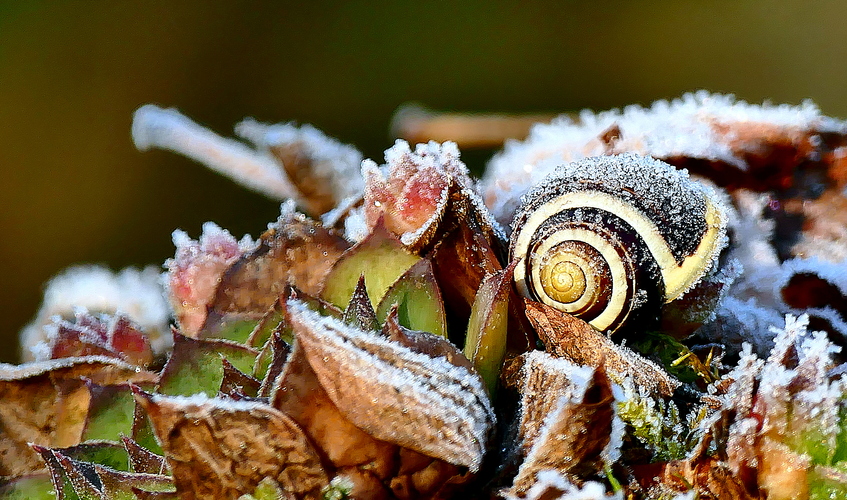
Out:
{"x": 73, "y": 189}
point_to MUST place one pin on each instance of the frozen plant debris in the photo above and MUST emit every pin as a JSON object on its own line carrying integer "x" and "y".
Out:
{"x": 371, "y": 343}
{"x": 735, "y": 139}
{"x": 285, "y": 162}
{"x": 136, "y": 293}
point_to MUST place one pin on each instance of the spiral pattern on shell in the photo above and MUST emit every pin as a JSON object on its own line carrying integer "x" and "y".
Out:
{"x": 612, "y": 238}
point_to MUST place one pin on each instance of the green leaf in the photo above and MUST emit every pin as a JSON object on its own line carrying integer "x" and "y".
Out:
{"x": 235, "y": 327}
{"x": 34, "y": 487}
{"x": 380, "y": 257}
{"x": 418, "y": 298}
{"x": 119, "y": 485}
{"x": 485, "y": 343}
{"x": 99, "y": 452}
{"x": 110, "y": 412}
{"x": 195, "y": 366}
{"x": 273, "y": 320}
{"x": 828, "y": 483}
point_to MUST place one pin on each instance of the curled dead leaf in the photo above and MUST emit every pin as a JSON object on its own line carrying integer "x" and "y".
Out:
{"x": 395, "y": 394}
{"x": 573, "y": 339}
{"x": 224, "y": 449}
{"x": 566, "y": 423}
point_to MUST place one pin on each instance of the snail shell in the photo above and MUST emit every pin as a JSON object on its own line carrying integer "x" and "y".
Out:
{"x": 612, "y": 238}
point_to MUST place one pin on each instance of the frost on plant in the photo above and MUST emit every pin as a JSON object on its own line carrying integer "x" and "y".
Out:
{"x": 371, "y": 342}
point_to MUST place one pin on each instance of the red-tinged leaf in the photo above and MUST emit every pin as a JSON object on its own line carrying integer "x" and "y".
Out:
{"x": 460, "y": 262}
{"x": 294, "y": 251}
{"x": 155, "y": 495}
{"x": 573, "y": 339}
{"x": 118, "y": 484}
{"x": 47, "y": 403}
{"x": 195, "y": 272}
{"x": 413, "y": 197}
{"x": 60, "y": 483}
{"x": 195, "y": 365}
{"x": 418, "y": 300}
{"x": 142, "y": 460}
{"x": 106, "y": 335}
{"x": 236, "y": 380}
{"x": 127, "y": 339}
{"x": 485, "y": 343}
{"x": 276, "y": 352}
{"x": 360, "y": 312}
{"x": 81, "y": 476}
{"x": 380, "y": 257}
{"x": 224, "y": 449}
{"x": 273, "y": 320}
{"x": 105, "y": 453}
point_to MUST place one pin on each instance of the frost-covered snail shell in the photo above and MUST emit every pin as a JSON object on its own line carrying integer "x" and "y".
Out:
{"x": 610, "y": 239}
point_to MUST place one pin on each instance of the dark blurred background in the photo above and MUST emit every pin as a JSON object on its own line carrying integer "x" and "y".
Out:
{"x": 73, "y": 188}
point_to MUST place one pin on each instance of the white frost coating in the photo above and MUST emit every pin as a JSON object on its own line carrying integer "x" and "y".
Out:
{"x": 743, "y": 320}
{"x": 335, "y": 162}
{"x": 355, "y": 225}
{"x": 32, "y": 369}
{"x": 153, "y": 126}
{"x": 689, "y": 126}
{"x": 833, "y": 272}
{"x": 136, "y": 293}
{"x": 433, "y": 167}
{"x": 203, "y": 401}
{"x": 791, "y": 396}
{"x": 431, "y": 386}
{"x": 548, "y": 481}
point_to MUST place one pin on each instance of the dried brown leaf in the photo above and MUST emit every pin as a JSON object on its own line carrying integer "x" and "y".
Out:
{"x": 222, "y": 450}
{"x": 360, "y": 312}
{"x": 394, "y": 394}
{"x": 236, "y": 380}
{"x": 278, "y": 350}
{"x": 367, "y": 461}
{"x": 461, "y": 260}
{"x": 710, "y": 478}
{"x": 296, "y": 250}
{"x": 574, "y": 434}
{"x": 47, "y": 403}
{"x": 571, "y": 338}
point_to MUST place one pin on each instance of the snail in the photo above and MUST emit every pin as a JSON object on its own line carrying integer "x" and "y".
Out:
{"x": 610, "y": 239}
